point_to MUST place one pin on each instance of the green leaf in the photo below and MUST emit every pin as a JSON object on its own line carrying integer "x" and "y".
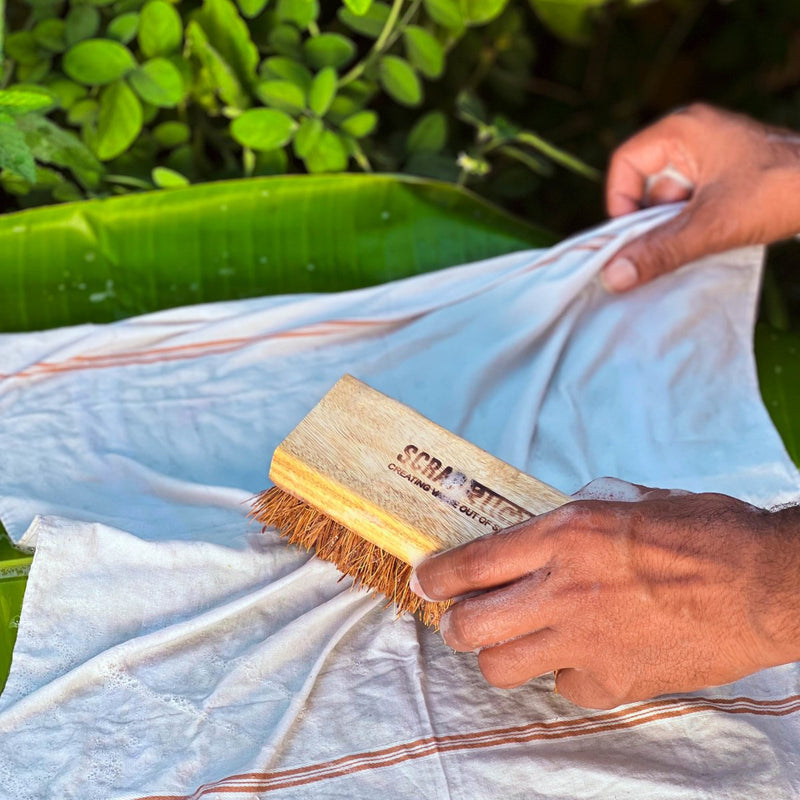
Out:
{"x": 97, "y": 62}
{"x": 12, "y": 184}
{"x": 171, "y": 133}
{"x": 158, "y": 82}
{"x": 23, "y": 48}
{"x": 429, "y": 134}
{"x": 288, "y": 69}
{"x": 283, "y": 95}
{"x": 181, "y": 159}
{"x": 400, "y": 81}
{"x": 271, "y": 162}
{"x": 51, "y": 144}
{"x": 220, "y": 75}
{"x": 361, "y": 124}
{"x": 329, "y": 154}
{"x": 184, "y": 67}
{"x": 166, "y": 178}
{"x": 285, "y": 40}
{"x": 47, "y": 178}
{"x": 777, "y": 356}
{"x": 424, "y": 51}
{"x": 329, "y": 50}
{"x": 82, "y": 22}
{"x": 22, "y": 99}
{"x": 149, "y": 112}
{"x": 15, "y": 155}
{"x": 67, "y": 92}
{"x": 252, "y": 8}
{"x": 307, "y": 136}
{"x": 322, "y": 92}
{"x": 368, "y": 229}
{"x": 359, "y": 7}
{"x": 371, "y": 23}
{"x": 124, "y": 27}
{"x": 446, "y": 12}
{"x": 229, "y": 35}
{"x": 83, "y": 112}
{"x": 34, "y": 73}
{"x": 299, "y": 12}
{"x": 342, "y": 107}
{"x": 263, "y": 129}
{"x": 569, "y": 19}
{"x": 479, "y": 12}
{"x": 119, "y": 121}
{"x": 66, "y": 192}
{"x": 470, "y": 108}
{"x": 160, "y": 29}
{"x": 51, "y": 34}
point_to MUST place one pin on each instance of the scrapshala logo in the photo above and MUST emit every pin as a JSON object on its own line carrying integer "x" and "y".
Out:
{"x": 454, "y": 488}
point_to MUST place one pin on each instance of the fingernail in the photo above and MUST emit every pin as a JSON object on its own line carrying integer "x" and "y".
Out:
{"x": 620, "y": 275}
{"x": 413, "y": 584}
{"x": 444, "y": 626}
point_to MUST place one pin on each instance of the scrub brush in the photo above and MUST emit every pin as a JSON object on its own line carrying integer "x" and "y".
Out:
{"x": 374, "y": 487}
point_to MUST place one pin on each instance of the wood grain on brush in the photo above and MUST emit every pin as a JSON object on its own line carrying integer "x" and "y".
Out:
{"x": 375, "y": 487}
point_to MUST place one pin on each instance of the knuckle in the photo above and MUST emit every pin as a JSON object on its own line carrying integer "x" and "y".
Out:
{"x": 700, "y": 109}
{"x": 577, "y": 514}
{"x": 617, "y": 160}
{"x": 584, "y": 692}
{"x": 660, "y": 253}
{"x": 475, "y": 566}
{"x": 496, "y": 670}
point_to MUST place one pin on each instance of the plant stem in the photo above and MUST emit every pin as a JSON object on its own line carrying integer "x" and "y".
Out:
{"x": 559, "y": 156}
{"x": 361, "y": 158}
{"x": 407, "y": 17}
{"x": 377, "y": 48}
{"x": 532, "y": 163}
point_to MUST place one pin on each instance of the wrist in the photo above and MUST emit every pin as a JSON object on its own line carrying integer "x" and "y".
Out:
{"x": 777, "y": 580}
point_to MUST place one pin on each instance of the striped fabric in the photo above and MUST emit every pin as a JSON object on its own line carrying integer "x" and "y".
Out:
{"x": 168, "y": 649}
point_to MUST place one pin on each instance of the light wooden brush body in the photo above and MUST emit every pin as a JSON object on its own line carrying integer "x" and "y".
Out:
{"x": 378, "y": 469}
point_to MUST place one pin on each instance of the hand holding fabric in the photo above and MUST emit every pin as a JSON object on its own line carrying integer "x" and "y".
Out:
{"x": 626, "y": 600}
{"x": 741, "y": 180}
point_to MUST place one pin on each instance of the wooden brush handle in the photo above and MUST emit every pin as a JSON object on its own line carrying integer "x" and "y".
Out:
{"x": 399, "y": 480}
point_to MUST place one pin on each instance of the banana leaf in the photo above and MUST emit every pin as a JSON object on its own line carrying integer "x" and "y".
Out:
{"x": 778, "y": 360}
{"x": 103, "y": 260}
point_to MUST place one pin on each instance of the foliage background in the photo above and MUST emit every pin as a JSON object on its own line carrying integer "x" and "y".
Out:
{"x": 521, "y": 100}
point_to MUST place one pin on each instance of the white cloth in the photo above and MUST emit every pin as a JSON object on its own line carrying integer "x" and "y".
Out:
{"x": 190, "y": 655}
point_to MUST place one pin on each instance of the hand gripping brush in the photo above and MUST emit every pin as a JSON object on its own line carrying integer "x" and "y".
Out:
{"x": 374, "y": 487}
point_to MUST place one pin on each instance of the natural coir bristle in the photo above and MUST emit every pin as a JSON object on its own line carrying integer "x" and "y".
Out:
{"x": 368, "y": 564}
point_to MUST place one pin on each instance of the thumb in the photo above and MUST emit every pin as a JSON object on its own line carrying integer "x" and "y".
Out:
{"x": 682, "y": 239}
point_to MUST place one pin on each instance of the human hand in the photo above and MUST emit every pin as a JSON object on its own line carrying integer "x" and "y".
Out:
{"x": 741, "y": 178}
{"x": 626, "y": 600}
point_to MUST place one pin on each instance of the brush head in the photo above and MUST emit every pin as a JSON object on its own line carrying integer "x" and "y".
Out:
{"x": 370, "y": 566}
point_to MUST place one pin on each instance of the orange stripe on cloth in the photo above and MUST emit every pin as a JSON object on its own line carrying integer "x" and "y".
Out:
{"x": 606, "y": 722}
{"x": 222, "y": 346}
{"x": 183, "y": 352}
{"x": 591, "y": 246}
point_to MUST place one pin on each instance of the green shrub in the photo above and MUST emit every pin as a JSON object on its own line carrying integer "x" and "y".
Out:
{"x": 109, "y": 96}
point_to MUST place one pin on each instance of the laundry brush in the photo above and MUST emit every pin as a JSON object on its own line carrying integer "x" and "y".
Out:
{"x": 375, "y": 487}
